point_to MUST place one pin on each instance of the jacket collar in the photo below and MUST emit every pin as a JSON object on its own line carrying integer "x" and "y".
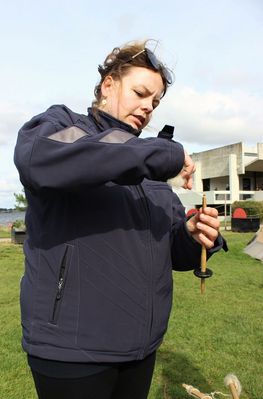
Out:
{"x": 104, "y": 121}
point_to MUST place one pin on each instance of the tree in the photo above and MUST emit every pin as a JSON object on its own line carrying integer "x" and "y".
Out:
{"x": 21, "y": 201}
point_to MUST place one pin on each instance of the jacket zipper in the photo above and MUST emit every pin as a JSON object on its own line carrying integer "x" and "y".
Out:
{"x": 60, "y": 287}
{"x": 150, "y": 292}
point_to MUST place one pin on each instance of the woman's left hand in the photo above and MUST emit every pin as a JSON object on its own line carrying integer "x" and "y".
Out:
{"x": 204, "y": 226}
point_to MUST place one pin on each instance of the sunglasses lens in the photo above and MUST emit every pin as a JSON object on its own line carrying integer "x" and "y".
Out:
{"x": 158, "y": 65}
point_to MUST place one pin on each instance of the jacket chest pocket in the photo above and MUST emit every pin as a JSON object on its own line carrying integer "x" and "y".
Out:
{"x": 61, "y": 283}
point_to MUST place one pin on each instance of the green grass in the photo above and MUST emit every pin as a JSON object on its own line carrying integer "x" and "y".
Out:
{"x": 15, "y": 379}
{"x": 5, "y": 232}
{"x": 208, "y": 337}
{"x": 217, "y": 333}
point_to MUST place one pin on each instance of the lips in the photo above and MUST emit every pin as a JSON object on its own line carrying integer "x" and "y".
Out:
{"x": 139, "y": 120}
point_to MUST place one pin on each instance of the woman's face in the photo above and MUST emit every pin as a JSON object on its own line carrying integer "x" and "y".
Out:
{"x": 133, "y": 98}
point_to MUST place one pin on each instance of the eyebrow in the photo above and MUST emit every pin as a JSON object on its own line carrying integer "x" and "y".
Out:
{"x": 148, "y": 91}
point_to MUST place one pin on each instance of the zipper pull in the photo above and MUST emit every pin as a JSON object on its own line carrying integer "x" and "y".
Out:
{"x": 60, "y": 286}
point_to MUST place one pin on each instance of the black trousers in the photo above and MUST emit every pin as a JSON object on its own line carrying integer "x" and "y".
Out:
{"x": 127, "y": 381}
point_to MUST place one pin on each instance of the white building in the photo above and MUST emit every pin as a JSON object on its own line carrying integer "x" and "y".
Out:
{"x": 226, "y": 174}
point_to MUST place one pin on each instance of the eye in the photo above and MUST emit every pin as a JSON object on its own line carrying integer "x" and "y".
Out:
{"x": 138, "y": 93}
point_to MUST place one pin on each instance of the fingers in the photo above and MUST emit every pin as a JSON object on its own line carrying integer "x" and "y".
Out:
{"x": 204, "y": 240}
{"x": 208, "y": 227}
{"x": 204, "y": 226}
{"x": 187, "y": 172}
{"x": 209, "y": 216}
{"x": 209, "y": 211}
{"x": 188, "y": 182}
{"x": 207, "y": 235}
{"x": 189, "y": 166}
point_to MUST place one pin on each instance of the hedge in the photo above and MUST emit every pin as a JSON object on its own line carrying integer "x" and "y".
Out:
{"x": 252, "y": 208}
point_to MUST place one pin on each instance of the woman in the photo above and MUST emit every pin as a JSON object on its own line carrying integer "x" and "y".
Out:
{"x": 104, "y": 233}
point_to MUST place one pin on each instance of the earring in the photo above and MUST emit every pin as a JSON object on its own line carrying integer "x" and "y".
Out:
{"x": 104, "y": 102}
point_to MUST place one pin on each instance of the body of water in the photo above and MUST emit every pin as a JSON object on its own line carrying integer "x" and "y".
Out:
{"x": 9, "y": 217}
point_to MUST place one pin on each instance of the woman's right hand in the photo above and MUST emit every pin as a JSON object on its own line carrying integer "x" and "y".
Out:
{"x": 187, "y": 172}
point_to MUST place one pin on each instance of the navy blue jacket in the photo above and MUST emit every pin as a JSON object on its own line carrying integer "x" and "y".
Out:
{"x": 104, "y": 233}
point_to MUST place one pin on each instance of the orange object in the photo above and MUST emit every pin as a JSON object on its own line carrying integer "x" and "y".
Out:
{"x": 239, "y": 213}
{"x": 191, "y": 212}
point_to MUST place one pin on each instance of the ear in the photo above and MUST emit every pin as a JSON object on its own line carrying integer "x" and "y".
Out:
{"x": 107, "y": 86}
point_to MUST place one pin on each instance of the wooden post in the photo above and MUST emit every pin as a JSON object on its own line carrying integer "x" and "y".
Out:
{"x": 195, "y": 392}
{"x": 233, "y": 391}
{"x": 203, "y": 253}
{"x": 232, "y": 382}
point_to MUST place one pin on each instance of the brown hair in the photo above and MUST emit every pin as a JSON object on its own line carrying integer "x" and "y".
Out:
{"x": 121, "y": 59}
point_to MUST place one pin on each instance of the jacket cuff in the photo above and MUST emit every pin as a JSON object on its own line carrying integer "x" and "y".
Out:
{"x": 220, "y": 243}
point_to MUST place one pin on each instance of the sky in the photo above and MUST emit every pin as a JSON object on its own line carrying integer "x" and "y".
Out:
{"x": 50, "y": 51}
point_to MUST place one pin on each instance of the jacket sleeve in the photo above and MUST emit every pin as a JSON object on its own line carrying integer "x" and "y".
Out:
{"x": 53, "y": 152}
{"x": 185, "y": 251}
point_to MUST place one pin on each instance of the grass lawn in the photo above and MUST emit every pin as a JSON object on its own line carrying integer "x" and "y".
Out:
{"x": 208, "y": 337}
{"x": 15, "y": 379}
{"x": 5, "y": 232}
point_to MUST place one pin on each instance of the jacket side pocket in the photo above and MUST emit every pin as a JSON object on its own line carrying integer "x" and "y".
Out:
{"x": 61, "y": 283}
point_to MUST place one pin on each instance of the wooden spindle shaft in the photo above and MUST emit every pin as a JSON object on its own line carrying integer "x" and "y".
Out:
{"x": 203, "y": 253}
{"x": 233, "y": 390}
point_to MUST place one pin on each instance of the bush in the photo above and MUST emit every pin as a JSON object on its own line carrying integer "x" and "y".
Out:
{"x": 21, "y": 201}
{"x": 252, "y": 208}
{"x": 19, "y": 224}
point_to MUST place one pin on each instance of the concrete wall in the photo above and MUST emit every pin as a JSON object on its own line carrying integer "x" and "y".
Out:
{"x": 219, "y": 183}
{"x": 226, "y": 167}
{"x": 260, "y": 150}
{"x": 215, "y": 163}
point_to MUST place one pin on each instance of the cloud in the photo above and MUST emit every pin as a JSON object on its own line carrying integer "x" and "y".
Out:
{"x": 12, "y": 116}
{"x": 238, "y": 79}
{"x": 213, "y": 118}
{"x": 8, "y": 186}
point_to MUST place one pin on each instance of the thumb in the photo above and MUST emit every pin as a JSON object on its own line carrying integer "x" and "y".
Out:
{"x": 191, "y": 223}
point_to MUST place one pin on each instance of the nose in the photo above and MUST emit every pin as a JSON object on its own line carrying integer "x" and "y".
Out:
{"x": 147, "y": 106}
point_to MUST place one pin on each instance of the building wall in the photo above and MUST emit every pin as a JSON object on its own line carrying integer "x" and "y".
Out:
{"x": 260, "y": 150}
{"x": 215, "y": 163}
{"x": 219, "y": 183}
{"x": 230, "y": 170}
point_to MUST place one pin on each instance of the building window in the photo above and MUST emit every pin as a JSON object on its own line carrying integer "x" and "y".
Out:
{"x": 246, "y": 184}
{"x": 206, "y": 184}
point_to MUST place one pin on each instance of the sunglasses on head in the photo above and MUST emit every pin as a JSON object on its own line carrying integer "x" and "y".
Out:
{"x": 153, "y": 60}
{"x": 155, "y": 63}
